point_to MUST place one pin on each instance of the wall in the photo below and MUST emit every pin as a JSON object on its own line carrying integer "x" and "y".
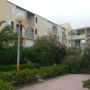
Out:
{"x": 2, "y": 14}
{"x": 10, "y": 11}
{"x": 2, "y": 4}
{"x": 41, "y": 26}
{"x": 60, "y": 33}
{"x": 68, "y": 36}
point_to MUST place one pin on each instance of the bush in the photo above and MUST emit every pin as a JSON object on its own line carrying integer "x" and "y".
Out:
{"x": 74, "y": 63}
{"x": 42, "y": 53}
{"x": 19, "y": 77}
{"x": 46, "y": 51}
{"x": 6, "y": 86}
{"x": 74, "y": 51}
{"x": 85, "y": 61}
{"x": 6, "y": 68}
{"x": 53, "y": 71}
{"x": 86, "y": 84}
{"x": 30, "y": 76}
{"x": 25, "y": 76}
{"x": 8, "y": 56}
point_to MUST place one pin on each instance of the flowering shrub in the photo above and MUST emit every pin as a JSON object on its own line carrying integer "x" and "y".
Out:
{"x": 58, "y": 51}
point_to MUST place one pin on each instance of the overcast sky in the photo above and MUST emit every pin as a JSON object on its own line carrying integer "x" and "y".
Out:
{"x": 74, "y": 12}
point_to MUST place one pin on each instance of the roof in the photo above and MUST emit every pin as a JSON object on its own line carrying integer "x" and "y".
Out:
{"x": 81, "y": 28}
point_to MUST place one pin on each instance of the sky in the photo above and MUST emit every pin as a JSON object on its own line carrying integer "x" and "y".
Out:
{"x": 74, "y": 12}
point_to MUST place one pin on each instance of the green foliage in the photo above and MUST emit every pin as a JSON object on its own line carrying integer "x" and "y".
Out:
{"x": 78, "y": 63}
{"x": 7, "y": 36}
{"x": 25, "y": 76}
{"x": 6, "y": 86}
{"x": 41, "y": 53}
{"x": 6, "y": 68}
{"x": 30, "y": 76}
{"x": 53, "y": 71}
{"x": 86, "y": 84}
{"x": 74, "y": 63}
{"x": 85, "y": 61}
{"x": 8, "y": 56}
{"x": 59, "y": 50}
{"x": 1, "y": 22}
{"x": 74, "y": 51}
{"x": 19, "y": 77}
{"x": 46, "y": 51}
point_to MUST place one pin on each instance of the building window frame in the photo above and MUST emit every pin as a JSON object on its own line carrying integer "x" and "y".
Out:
{"x": 36, "y": 20}
{"x": 35, "y": 31}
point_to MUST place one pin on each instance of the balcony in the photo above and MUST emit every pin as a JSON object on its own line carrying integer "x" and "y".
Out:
{"x": 88, "y": 32}
{"x": 29, "y": 19}
{"x": 87, "y": 35}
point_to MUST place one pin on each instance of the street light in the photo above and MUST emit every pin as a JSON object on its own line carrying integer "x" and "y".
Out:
{"x": 83, "y": 45}
{"x": 19, "y": 18}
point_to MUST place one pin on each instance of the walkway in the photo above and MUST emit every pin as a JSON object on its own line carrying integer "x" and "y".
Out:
{"x": 66, "y": 82}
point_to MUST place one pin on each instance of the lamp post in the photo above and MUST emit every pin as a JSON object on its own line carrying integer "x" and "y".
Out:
{"x": 19, "y": 18}
{"x": 83, "y": 45}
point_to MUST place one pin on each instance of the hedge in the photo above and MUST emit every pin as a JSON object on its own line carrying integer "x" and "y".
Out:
{"x": 6, "y": 68}
{"x": 30, "y": 76}
{"x": 53, "y": 71}
{"x": 6, "y": 86}
{"x": 19, "y": 77}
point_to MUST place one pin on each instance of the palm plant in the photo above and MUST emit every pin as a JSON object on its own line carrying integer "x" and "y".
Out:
{"x": 7, "y": 36}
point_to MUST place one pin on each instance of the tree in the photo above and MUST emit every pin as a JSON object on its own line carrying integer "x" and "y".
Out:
{"x": 7, "y": 36}
{"x": 46, "y": 51}
{"x": 59, "y": 50}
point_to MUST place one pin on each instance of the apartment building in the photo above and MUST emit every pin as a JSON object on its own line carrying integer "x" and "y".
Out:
{"x": 80, "y": 34}
{"x": 32, "y": 26}
{"x": 35, "y": 25}
{"x": 66, "y": 34}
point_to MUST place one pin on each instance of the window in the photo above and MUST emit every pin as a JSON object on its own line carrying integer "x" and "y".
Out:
{"x": 63, "y": 32}
{"x": 69, "y": 33}
{"x": 69, "y": 41}
{"x": 36, "y": 19}
{"x": 35, "y": 31}
{"x": 49, "y": 26}
{"x": 55, "y": 29}
{"x": 20, "y": 10}
{"x": 58, "y": 37}
{"x": 21, "y": 29}
{"x": 29, "y": 33}
{"x": 12, "y": 24}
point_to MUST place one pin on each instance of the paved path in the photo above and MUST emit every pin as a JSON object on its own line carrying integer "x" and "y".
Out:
{"x": 66, "y": 82}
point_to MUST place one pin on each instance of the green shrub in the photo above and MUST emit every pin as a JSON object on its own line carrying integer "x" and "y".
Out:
{"x": 46, "y": 51}
{"x": 19, "y": 77}
{"x": 6, "y": 68}
{"x": 53, "y": 71}
{"x": 85, "y": 61}
{"x": 7, "y": 76}
{"x": 74, "y": 51}
{"x": 25, "y": 76}
{"x": 30, "y": 76}
{"x": 6, "y": 86}
{"x": 8, "y": 56}
{"x": 86, "y": 84}
{"x": 74, "y": 63}
{"x": 42, "y": 53}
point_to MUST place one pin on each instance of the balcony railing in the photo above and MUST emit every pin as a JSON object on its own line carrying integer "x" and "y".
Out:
{"x": 30, "y": 36}
{"x": 88, "y": 35}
